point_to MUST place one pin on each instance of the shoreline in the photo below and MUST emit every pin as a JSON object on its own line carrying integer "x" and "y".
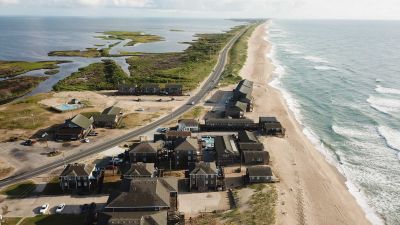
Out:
{"x": 308, "y": 180}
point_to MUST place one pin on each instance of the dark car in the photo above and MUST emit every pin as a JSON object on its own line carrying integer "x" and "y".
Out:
{"x": 28, "y": 143}
{"x": 84, "y": 208}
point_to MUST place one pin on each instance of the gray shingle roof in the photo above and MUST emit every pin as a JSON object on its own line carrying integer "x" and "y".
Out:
{"x": 259, "y": 171}
{"x": 147, "y": 147}
{"x": 142, "y": 193}
{"x": 140, "y": 169}
{"x": 77, "y": 170}
{"x": 247, "y": 136}
{"x": 190, "y": 144}
{"x": 205, "y": 168}
{"x": 223, "y": 145}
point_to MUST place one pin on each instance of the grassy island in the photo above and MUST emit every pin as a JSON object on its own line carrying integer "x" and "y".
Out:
{"x": 134, "y": 37}
{"x": 16, "y": 87}
{"x": 89, "y": 53}
{"x": 15, "y": 68}
{"x": 104, "y": 75}
{"x": 189, "y": 67}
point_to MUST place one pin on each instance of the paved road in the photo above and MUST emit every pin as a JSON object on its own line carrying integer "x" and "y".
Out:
{"x": 211, "y": 82}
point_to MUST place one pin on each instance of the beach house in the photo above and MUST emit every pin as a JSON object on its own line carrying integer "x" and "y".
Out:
{"x": 145, "y": 152}
{"x": 188, "y": 125}
{"x": 226, "y": 150}
{"x": 259, "y": 174}
{"x": 77, "y": 176}
{"x": 139, "y": 170}
{"x": 204, "y": 177}
{"x": 110, "y": 117}
{"x": 74, "y": 129}
{"x": 187, "y": 153}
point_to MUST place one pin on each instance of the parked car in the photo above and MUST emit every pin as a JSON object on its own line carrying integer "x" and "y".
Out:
{"x": 43, "y": 209}
{"x": 191, "y": 103}
{"x": 28, "y": 142}
{"x": 86, "y": 140}
{"x": 140, "y": 109}
{"x": 60, "y": 208}
{"x": 93, "y": 134}
{"x": 162, "y": 129}
{"x": 84, "y": 208}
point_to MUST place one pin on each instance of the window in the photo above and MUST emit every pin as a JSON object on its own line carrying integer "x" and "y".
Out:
{"x": 85, "y": 184}
{"x": 79, "y": 184}
{"x": 189, "y": 157}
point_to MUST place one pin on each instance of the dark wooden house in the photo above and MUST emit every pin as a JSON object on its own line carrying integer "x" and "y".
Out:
{"x": 204, "y": 177}
{"x": 109, "y": 118}
{"x": 271, "y": 126}
{"x": 74, "y": 129}
{"x": 255, "y": 157}
{"x": 139, "y": 170}
{"x": 259, "y": 174}
{"x": 187, "y": 153}
{"x": 145, "y": 152}
{"x": 227, "y": 152}
{"x": 77, "y": 176}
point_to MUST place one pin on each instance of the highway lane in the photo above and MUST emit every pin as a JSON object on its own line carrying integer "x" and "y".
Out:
{"x": 211, "y": 83}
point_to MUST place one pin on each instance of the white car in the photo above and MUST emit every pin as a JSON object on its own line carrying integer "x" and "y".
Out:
{"x": 60, "y": 208}
{"x": 43, "y": 209}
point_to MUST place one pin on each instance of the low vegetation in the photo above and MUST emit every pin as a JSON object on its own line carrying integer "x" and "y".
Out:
{"x": 19, "y": 190}
{"x": 134, "y": 37}
{"x": 25, "y": 114}
{"x": 237, "y": 57}
{"x": 14, "y": 68}
{"x": 59, "y": 219}
{"x": 88, "y": 53}
{"x": 16, "y": 87}
{"x": 105, "y": 75}
{"x": 134, "y": 120}
{"x": 188, "y": 68}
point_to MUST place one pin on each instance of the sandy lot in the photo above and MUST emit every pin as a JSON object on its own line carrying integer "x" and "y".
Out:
{"x": 194, "y": 203}
{"x": 311, "y": 190}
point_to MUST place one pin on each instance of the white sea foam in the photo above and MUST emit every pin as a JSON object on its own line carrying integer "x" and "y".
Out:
{"x": 293, "y": 106}
{"x": 324, "y": 68}
{"x": 385, "y": 90}
{"x": 385, "y": 105}
{"x": 391, "y": 137}
{"x": 361, "y": 200}
{"x": 355, "y": 132}
{"x": 315, "y": 59}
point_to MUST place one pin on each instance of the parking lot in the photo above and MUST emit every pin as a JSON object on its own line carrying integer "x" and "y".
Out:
{"x": 29, "y": 207}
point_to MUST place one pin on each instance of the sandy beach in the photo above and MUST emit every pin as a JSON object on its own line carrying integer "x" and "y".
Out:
{"x": 311, "y": 191}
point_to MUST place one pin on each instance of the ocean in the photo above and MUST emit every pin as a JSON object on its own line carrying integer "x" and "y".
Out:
{"x": 341, "y": 80}
{"x": 31, "y": 38}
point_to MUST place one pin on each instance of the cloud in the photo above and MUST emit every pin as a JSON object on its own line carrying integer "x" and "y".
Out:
{"x": 8, "y": 2}
{"x": 80, "y": 3}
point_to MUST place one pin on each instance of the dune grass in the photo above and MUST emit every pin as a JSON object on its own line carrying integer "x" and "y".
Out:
{"x": 26, "y": 114}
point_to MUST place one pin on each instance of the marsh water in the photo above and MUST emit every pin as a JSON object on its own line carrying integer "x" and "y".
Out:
{"x": 31, "y": 38}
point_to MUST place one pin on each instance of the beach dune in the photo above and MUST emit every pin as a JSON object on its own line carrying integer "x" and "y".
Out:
{"x": 311, "y": 191}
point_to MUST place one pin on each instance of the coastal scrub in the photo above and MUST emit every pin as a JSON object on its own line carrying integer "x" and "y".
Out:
{"x": 15, "y": 68}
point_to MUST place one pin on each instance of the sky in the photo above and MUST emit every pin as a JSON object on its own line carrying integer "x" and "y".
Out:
{"x": 293, "y": 9}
